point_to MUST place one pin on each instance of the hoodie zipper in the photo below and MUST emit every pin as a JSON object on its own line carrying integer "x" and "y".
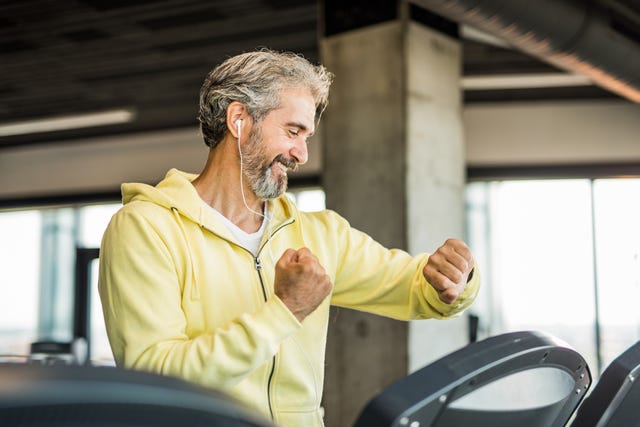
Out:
{"x": 258, "y": 266}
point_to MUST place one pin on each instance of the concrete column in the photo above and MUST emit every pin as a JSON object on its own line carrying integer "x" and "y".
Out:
{"x": 435, "y": 175}
{"x": 394, "y": 167}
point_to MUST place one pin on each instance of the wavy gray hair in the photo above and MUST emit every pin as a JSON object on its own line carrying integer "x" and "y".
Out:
{"x": 256, "y": 79}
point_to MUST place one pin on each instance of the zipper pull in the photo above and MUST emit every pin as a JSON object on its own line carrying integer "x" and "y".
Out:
{"x": 258, "y": 263}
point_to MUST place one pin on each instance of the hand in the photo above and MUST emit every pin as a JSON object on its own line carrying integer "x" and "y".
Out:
{"x": 448, "y": 269}
{"x": 301, "y": 282}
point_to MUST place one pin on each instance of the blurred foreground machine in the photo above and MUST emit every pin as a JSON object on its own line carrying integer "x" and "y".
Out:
{"x": 524, "y": 379}
{"x": 34, "y": 395}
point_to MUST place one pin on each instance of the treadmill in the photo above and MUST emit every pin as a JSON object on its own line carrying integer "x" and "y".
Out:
{"x": 526, "y": 379}
{"x": 615, "y": 399}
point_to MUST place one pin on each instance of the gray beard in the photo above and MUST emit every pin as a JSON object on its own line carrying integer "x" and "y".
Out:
{"x": 266, "y": 187}
{"x": 258, "y": 171}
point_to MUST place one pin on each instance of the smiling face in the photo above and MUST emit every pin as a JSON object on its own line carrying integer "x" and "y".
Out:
{"x": 278, "y": 144}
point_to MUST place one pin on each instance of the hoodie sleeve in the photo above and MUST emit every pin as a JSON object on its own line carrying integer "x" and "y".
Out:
{"x": 389, "y": 282}
{"x": 141, "y": 297}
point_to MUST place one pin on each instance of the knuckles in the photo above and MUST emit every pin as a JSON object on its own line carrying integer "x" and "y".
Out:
{"x": 439, "y": 283}
{"x": 457, "y": 276}
{"x": 447, "y": 269}
{"x": 448, "y": 297}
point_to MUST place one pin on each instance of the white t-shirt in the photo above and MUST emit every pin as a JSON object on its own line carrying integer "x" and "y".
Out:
{"x": 249, "y": 241}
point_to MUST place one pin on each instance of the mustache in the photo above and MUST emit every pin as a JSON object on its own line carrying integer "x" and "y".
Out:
{"x": 289, "y": 163}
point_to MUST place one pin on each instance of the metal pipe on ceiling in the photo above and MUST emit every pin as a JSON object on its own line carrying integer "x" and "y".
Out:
{"x": 565, "y": 33}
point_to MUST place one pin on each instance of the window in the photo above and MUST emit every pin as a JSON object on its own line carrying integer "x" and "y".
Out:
{"x": 37, "y": 259}
{"x": 308, "y": 199}
{"x": 617, "y": 237}
{"x": 19, "y": 260}
{"x": 561, "y": 256}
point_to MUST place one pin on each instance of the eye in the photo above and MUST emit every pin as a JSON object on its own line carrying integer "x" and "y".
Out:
{"x": 293, "y": 133}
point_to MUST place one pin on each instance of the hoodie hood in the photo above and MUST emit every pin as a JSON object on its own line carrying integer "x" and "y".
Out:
{"x": 173, "y": 192}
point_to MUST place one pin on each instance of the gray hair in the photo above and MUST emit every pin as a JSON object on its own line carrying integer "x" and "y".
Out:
{"x": 256, "y": 80}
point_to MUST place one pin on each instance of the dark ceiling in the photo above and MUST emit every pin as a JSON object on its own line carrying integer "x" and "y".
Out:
{"x": 76, "y": 56}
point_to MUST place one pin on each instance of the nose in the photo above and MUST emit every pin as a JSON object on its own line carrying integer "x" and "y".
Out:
{"x": 299, "y": 151}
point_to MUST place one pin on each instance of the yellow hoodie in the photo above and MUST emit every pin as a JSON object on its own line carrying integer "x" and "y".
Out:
{"x": 182, "y": 298}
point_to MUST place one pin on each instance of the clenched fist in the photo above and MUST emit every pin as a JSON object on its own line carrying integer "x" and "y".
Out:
{"x": 448, "y": 269}
{"x": 301, "y": 282}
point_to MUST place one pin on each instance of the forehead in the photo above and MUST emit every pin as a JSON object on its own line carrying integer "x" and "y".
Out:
{"x": 296, "y": 105}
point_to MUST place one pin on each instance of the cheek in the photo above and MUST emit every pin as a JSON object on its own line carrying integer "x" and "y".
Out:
{"x": 274, "y": 142}
{"x": 275, "y": 147}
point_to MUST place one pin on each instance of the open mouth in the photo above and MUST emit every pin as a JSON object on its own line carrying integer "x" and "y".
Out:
{"x": 282, "y": 167}
{"x": 285, "y": 164}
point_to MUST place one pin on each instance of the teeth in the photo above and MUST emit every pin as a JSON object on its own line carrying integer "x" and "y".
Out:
{"x": 283, "y": 167}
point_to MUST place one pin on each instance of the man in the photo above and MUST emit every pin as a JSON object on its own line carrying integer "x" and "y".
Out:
{"x": 220, "y": 280}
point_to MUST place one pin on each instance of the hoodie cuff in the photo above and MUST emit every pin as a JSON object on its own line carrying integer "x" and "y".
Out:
{"x": 464, "y": 300}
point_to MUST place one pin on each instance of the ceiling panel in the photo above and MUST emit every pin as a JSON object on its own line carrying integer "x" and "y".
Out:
{"x": 75, "y": 56}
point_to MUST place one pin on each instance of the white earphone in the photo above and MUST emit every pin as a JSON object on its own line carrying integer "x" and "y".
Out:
{"x": 239, "y": 127}
{"x": 265, "y": 216}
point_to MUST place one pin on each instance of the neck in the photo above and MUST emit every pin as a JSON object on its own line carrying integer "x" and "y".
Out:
{"x": 220, "y": 187}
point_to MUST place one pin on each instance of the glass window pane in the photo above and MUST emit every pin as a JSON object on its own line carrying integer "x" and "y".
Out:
{"x": 617, "y": 213}
{"x": 93, "y": 222}
{"x": 542, "y": 259}
{"x": 311, "y": 200}
{"x": 19, "y": 263}
{"x": 308, "y": 199}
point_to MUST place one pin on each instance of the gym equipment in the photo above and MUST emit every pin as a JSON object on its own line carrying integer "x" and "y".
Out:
{"x": 615, "y": 399}
{"x": 527, "y": 379}
{"x": 516, "y": 379}
{"x": 72, "y": 396}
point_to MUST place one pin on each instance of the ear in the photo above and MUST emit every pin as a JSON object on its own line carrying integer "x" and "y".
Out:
{"x": 236, "y": 111}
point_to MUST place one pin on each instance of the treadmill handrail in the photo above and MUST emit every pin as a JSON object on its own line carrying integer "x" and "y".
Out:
{"x": 471, "y": 367}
